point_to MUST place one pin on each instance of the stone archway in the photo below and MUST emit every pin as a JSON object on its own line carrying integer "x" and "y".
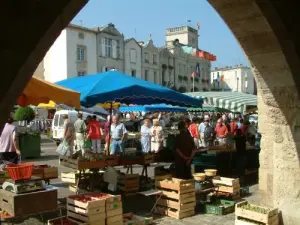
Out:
{"x": 266, "y": 36}
{"x": 267, "y": 31}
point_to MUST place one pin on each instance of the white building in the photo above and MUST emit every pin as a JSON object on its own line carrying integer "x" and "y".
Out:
{"x": 238, "y": 78}
{"x": 74, "y": 53}
{"x": 110, "y": 48}
{"x": 150, "y": 62}
{"x": 132, "y": 58}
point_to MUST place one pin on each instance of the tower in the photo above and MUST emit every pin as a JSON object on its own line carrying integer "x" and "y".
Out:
{"x": 185, "y": 34}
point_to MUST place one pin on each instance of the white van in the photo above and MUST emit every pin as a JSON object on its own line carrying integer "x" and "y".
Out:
{"x": 58, "y": 122}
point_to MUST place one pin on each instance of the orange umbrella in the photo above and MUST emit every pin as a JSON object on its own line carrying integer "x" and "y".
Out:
{"x": 39, "y": 91}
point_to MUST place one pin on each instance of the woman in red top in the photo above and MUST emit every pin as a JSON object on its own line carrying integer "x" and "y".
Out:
{"x": 95, "y": 134}
{"x": 193, "y": 128}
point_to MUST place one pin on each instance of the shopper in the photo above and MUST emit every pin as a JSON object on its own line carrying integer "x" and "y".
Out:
{"x": 240, "y": 145}
{"x": 80, "y": 129}
{"x": 184, "y": 152}
{"x": 9, "y": 144}
{"x": 208, "y": 134}
{"x": 221, "y": 132}
{"x": 157, "y": 136}
{"x": 194, "y": 130}
{"x": 95, "y": 134}
{"x": 146, "y": 136}
{"x": 118, "y": 135}
{"x": 69, "y": 136}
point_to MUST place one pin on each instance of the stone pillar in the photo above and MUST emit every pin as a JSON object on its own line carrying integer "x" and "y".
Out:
{"x": 279, "y": 124}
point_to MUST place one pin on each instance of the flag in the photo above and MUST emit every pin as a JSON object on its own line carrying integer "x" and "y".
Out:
{"x": 189, "y": 21}
{"x": 198, "y": 25}
{"x": 197, "y": 73}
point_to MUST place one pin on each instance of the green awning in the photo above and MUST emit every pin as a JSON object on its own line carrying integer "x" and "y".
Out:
{"x": 207, "y": 109}
{"x": 233, "y": 101}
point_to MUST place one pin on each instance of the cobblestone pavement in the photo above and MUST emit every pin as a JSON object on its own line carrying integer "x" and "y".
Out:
{"x": 131, "y": 204}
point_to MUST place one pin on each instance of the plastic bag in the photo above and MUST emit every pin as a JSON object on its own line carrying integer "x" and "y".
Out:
{"x": 63, "y": 149}
{"x": 87, "y": 144}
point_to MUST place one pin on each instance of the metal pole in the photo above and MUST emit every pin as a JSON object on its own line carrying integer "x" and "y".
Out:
{"x": 194, "y": 83}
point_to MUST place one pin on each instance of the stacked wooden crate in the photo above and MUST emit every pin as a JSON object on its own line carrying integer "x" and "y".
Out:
{"x": 72, "y": 179}
{"x": 178, "y": 198}
{"x": 114, "y": 210}
{"x": 128, "y": 183}
{"x": 65, "y": 221}
{"x": 249, "y": 214}
{"x": 228, "y": 187}
{"x": 87, "y": 208}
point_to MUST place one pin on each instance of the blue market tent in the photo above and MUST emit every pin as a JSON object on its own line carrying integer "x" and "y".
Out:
{"x": 152, "y": 108}
{"x": 114, "y": 86}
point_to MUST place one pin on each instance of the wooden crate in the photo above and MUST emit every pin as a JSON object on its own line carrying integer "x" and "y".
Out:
{"x": 268, "y": 218}
{"x": 114, "y": 212}
{"x": 176, "y": 214}
{"x": 128, "y": 183}
{"x": 132, "y": 219}
{"x": 162, "y": 177}
{"x": 77, "y": 164}
{"x": 113, "y": 205}
{"x": 111, "y": 160}
{"x": 148, "y": 158}
{"x": 243, "y": 221}
{"x": 17, "y": 204}
{"x": 113, "y": 198}
{"x": 96, "y": 203}
{"x": 94, "y": 219}
{"x": 46, "y": 173}
{"x": 114, "y": 219}
{"x": 58, "y": 221}
{"x": 182, "y": 186}
{"x": 228, "y": 185}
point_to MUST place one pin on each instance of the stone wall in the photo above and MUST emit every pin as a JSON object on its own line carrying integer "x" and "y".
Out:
{"x": 278, "y": 101}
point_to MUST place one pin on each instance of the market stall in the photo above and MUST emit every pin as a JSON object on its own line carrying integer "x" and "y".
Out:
{"x": 114, "y": 86}
{"x": 235, "y": 102}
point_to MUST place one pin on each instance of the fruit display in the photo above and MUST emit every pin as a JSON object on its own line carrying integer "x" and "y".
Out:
{"x": 255, "y": 208}
{"x": 97, "y": 195}
{"x": 90, "y": 156}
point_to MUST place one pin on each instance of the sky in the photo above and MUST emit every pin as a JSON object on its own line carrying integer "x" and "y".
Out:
{"x": 141, "y": 18}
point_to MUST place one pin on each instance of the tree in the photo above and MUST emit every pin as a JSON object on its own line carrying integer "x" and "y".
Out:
{"x": 25, "y": 114}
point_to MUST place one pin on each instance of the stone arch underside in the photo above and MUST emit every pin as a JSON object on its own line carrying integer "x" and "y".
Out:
{"x": 29, "y": 28}
{"x": 267, "y": 32}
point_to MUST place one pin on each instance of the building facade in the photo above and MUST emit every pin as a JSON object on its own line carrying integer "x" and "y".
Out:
{"x": 167, "y": 68}
{"x": 150, "y": 62}
{"x": 182, "y": 42}
{"x": 110, "y": 48}
{"x": 132, "y": 58}
{"x": 72, "y": 54}
{"x": 238, "y": 78}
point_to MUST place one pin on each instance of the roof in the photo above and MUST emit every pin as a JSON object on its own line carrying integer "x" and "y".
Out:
{"x": 81, "y": 28}
{"x": 132, "y": 39}
{"x": 233, "y": 101}
{"x": 215, "y": 69}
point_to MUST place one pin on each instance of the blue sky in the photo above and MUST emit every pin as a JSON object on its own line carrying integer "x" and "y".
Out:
{"x": 140, "y": 18}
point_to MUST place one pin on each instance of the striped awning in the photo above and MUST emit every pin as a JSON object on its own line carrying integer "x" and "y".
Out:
{"x": 233, "y": 101}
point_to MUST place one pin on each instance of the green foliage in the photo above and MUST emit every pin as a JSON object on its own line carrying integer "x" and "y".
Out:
{"x": 25, "y": 113}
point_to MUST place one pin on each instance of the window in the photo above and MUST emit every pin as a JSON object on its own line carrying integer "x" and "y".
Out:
{"x": 146, "y": 57}
{"x": 179, "y": 68}
{"x": 155, "y": 77}
{"x": 146, "y": 74}
{"x": 154, "y": 59}
{"x": 132, "y": 55}
{"x": 61, "y": 120}
{"x": 80, "y": 53}
{"x": 108, "y": 47}
{"x": 56, "y": 120}
{"x": 133, "y": 73}
{"x": 118, "y": 49}
{"x": 81, "y": 73}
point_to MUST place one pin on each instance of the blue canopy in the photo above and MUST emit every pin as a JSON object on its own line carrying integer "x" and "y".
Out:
{"x": 152, "y": 108}
{"x": 97, "y": 110}
{"x": 116, "y": 86}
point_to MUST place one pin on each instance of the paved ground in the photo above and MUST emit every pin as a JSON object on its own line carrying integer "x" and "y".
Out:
{"x": 135, "y": 204}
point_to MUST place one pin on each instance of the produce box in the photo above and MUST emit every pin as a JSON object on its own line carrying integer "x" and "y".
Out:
{"x": 71, "y": 177}
{"x": 111, "y": 160}
{"x": 222, "y": 207}
{"x": 65, "y": 221}
{"x": 255, "y": 214}
{"x": 80, "y": 163}
{"x": 88, "y": 207}
{"x": 176, "y": 184}
{"x": 132, "y": 219}
{"x": 17, "y": 204}
{"x": 45, "y": 172}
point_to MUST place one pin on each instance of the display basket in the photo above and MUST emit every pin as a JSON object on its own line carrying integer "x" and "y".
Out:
{"x": 21, "y": 171}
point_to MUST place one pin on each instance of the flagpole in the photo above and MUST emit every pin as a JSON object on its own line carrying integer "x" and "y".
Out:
{"x": 194, "y": 83}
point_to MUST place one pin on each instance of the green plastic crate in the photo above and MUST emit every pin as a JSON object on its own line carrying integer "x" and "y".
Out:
{"x": 222, "y": 207}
